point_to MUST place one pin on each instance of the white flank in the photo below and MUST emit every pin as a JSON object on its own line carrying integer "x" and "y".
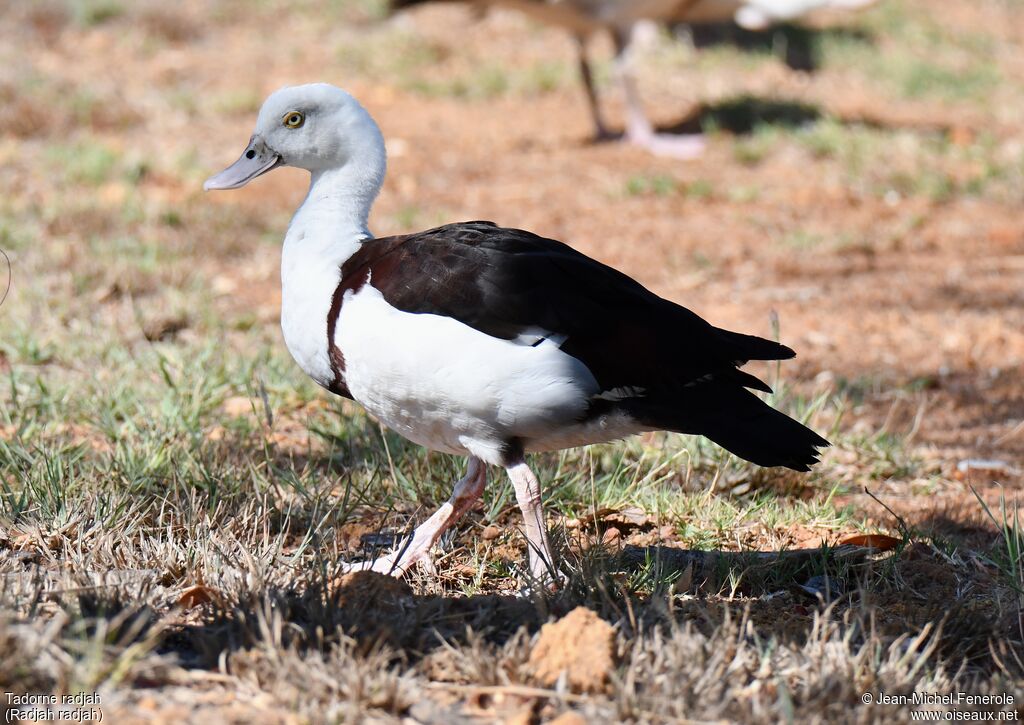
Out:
{"x": 446, "y": 386}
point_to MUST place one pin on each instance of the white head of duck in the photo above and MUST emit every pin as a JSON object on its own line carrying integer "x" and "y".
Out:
{"x": 317, "y": 127}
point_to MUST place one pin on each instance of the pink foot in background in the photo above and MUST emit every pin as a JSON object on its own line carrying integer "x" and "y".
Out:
{"x": 672, "y": 146}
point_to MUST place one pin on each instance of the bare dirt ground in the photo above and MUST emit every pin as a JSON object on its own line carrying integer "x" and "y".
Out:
{"x": 872, "y": 205}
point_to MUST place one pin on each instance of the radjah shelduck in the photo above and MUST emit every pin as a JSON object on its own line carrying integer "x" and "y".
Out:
{"x": 487, "y": 342}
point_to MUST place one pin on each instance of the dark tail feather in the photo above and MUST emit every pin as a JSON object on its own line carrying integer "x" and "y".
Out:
{"x": 737, "y": 420}
{"x": 748, "y": 381}
{"x": 749, "y": 347}
{"x": 760, "y": 434}
{"x": 396, "y": 5}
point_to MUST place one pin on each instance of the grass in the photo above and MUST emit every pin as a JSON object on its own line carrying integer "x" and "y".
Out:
{"x": 664, "y": 185}
{"x": 411, "y": 62}
{"x": 87, "y": 162}
{"x": 756, "y": 148}
{"x": 923, "y": 78}
{"x": 489, "y": 81}
{"x": 96, "y": 12}
{"x": 1011, "y": 556}
{"x": 151, "y": 473}
{"x": 658, "y": 185}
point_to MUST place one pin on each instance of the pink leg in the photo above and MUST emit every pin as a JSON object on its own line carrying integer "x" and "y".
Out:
{"x": 408, "y": 552}
{"x": 638, "y": 129}
{"x": 527, "y": 487}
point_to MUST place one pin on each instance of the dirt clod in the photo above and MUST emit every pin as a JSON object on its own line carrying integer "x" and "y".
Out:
{"x": 581, "y": 645}
{"x": 374, "y": 607}
{"x": 366, "y": 589}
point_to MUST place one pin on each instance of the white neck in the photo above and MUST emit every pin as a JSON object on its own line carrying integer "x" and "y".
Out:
{"x": 325, "y": 231}
{"x": 339, "y": 201}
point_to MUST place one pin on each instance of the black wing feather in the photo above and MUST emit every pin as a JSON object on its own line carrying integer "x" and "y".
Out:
{"x": 507, "y": 282}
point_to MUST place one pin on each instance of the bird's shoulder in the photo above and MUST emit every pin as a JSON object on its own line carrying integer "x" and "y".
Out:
{"x": 483, "y": 255}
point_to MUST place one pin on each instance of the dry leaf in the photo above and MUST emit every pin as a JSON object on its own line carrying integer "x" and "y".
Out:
{"x": 197, "y": 596}
{"x": 881, "y": 542}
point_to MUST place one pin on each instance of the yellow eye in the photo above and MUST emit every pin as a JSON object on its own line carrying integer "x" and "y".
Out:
{"x": 293, "y": 119}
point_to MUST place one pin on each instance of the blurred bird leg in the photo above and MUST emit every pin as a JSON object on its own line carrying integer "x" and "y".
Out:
{"x": 639, "y": 130}
{"x": 408, "y": 552}
{"x": 601, "y": 132}
{"x": 527, "y": 488}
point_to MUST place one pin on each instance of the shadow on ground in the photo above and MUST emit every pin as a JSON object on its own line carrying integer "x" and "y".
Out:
{"x": 635, "y": 587}
{"x": 743, "y": 115}
{"x": 799, "y": 47}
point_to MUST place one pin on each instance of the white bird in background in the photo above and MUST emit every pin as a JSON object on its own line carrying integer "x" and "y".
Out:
{"x": 488, "y": 342}
{"x": 620, "y": 18}
{"x": 758, "y": 14}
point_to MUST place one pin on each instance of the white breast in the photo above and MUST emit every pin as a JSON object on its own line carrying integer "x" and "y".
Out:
{"x": 307, "y": 289}
{"x": 449, "y": 387}
{"x": 310, "y": 272}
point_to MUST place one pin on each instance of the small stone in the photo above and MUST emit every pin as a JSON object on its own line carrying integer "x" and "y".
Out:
{"x": 581, "y": 645}
{"x": 491, "y": 533}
